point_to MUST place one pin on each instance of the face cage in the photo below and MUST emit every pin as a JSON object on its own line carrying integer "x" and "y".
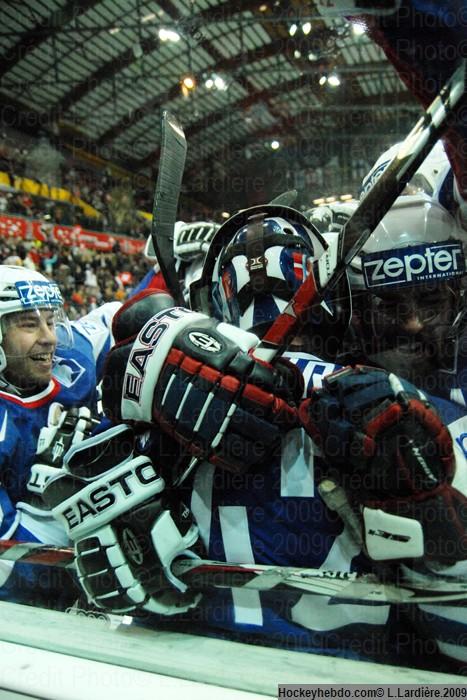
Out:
{"x": 363, "y": 299}
{"x": 201, "y": 290}
{"x": 265, "y": 300}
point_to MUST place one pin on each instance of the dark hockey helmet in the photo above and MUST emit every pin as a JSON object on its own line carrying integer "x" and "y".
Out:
{"x": 256, "y": 262}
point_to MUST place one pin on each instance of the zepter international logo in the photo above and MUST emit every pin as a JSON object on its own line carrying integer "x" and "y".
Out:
{"x": 413, "y": 264}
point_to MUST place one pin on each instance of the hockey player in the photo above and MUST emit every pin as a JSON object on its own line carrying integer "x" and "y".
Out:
{"x": 190, "y": 245}
{"x": 422, "y": 335}
{"x": 49, "y": 370}
{"x": 272, "y": 513}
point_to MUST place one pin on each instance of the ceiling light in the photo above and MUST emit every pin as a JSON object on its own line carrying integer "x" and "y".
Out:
{"x": 275, "y": 145}
{"x": 346, "y": 197}
{"x": 149, "y": 17}
{"x": 329, "y": 200}
{"x": 220, "y": 83}
{"x": 323, "y": 80}
{"x": 168, "y": 35}
{"x": 209, "y": 83}
{"x": 225, "y": 215}
{"x": 297, "y": 53}
{"x": 306, "y": 28}
{"x": 114, "y": 30}
{"x": 293, "y": 29}
{"x": 263, "y": 7}
{"x": 358, "y": 29}
{"x": 189, "y": 82}
{"x": 319, "y": 201}
{"x": 312, "y": 56}
{"x": 333, "y": 80}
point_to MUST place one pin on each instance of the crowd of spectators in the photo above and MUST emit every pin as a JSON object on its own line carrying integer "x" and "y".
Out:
{"x": 116, "y": 199}
{"x": 87, "y": 278}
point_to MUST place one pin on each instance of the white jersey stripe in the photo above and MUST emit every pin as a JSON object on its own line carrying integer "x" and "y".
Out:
{"x": 237, "y": 547}
{"x": 201, "y": 500}
{"x": 297, "y": 465}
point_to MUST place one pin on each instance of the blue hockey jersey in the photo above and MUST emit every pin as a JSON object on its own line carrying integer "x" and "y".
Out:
{"x": 75, "y": 376}
{"x": 275, "y": 515}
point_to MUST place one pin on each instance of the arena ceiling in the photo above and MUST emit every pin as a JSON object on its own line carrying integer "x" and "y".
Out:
{"x": 96, "y": 74}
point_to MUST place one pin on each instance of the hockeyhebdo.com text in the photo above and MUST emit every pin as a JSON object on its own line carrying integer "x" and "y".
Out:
{"x": 385, "y": 692}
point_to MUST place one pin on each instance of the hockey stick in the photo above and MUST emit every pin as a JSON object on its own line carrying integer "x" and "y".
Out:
{"x": 169, "y": 180}
{"x": 203, "y": 575}
{"x": 369, "y": 213}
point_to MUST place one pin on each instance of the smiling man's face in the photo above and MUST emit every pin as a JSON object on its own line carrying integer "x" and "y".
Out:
{"x": 29, "y": 342}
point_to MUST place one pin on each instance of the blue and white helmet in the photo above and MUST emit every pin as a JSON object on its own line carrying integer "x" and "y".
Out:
{"x": 433, "y": 177}
{"x": 22, "y": 289}
{"x": 256, "y": 263}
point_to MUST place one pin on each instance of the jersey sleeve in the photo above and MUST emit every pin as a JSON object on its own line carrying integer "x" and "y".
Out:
{"x": 96, "y": 329}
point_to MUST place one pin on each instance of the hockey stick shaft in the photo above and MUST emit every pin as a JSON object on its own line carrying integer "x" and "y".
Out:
{"x": 371, "y": 210}
{"x": 205, "y": 574}
{"x": 167, "y": 194}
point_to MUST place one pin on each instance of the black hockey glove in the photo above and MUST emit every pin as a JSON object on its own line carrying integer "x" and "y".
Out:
{"x": 113, "y": 506}
{"x": 197, "y": 379}
{"x": 65, "y": 427}
{"x": 395, "y": 459}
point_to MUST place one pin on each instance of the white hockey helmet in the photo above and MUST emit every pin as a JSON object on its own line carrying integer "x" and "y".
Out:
{"x": 22, "y": 289}
{"x": 417, "y": 242}
{"x": 433, "y": 177}
{"x": 414, "y": 259}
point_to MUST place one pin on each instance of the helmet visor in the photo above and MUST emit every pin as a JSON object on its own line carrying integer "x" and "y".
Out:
{"x": 53, "y": 319}
{"x": 36, "y": 295}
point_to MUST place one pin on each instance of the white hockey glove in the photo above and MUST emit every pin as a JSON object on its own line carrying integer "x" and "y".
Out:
{"x": 113, "y": 506}
{"x": 193, "y": 239}
{"x": 196, "y": 379}
{"x": 65, "y": 427}
{"x": 394, "y": 457}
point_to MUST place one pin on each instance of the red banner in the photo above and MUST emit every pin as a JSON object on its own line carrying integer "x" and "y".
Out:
{"x": 13, "y": 227}
{"x": 17, "y": 227}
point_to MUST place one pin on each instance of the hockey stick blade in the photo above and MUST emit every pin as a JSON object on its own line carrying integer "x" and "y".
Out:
{"x": 370, "y": 211}
{"x": 169, "y": 181}
{"x": 204, "y": 575}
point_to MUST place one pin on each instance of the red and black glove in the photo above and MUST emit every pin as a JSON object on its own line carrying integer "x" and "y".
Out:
{"x": 197, "y": 379}
{"x": 395, "y": 459}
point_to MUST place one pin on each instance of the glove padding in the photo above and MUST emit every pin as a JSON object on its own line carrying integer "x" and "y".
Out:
{"x": 196, "y": 378}
{"x": 113, "y": 506}
{"x": 64, "y": 428}
{"x": 395, "y": 458}
{"x": 193, "y": 239}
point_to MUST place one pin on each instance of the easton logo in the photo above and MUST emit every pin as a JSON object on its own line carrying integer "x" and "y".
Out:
{"x": 143, "y": 349}
{"x": 132, "y": 547}
{"x": 205, "y": 342}
{"x": 129, "y": 483}
{"x": 413, "y": 265}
